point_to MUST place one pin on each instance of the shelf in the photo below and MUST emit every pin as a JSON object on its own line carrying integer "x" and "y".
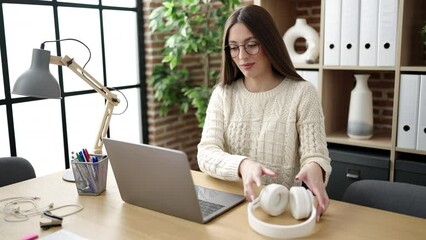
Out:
{"x": 360, "y": 68}
{"x": 413, "y": 68}
{"x": 306, "y": 66}
{"x": 380, "y": 140}
{"x": 336, "y": 82}
{"x": 413, "y": 151}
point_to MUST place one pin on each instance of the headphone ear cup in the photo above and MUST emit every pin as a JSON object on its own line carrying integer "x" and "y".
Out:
{"x": 301, "y": 201}
{"x": 274, "y": 198}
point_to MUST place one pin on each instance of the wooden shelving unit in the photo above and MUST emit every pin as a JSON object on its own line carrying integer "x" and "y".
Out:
{"x": 335, "y": 82}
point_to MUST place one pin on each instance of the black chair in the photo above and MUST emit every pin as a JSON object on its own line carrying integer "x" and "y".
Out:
{"x": 396, "y": 197}
{"x": 15, "y": 169}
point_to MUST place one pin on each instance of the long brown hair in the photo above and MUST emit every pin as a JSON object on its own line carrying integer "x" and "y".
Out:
{"x": 261, "y": 24}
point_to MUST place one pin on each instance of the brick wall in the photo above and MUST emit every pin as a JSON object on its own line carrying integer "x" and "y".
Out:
{"x": 176, "y": 130}
{"x": 181, "y": 131}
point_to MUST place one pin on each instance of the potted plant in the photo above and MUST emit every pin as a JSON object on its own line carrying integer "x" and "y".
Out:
{"x": 423, "y": 34}
{"x": 190, "y": 27}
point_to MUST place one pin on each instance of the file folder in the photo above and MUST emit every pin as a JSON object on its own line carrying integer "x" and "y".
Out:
{"x": 388, "y": 14}
{"x": 312, "y": 77}
{"x": 301, "y": 73}
{"x": 421, "y": 127}
{"x": 408, "y": 111}
{"x": 369, "y": 11}
{"x": 332, "y": 32}
{"x": 349, "y": 45}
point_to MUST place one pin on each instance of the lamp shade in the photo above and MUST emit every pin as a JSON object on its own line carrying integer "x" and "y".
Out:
{"x": 38, "y": 81}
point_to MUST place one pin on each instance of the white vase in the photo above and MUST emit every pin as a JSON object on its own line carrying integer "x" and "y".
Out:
{"x": 302, "y": 30}
{"x": 360, "y": 119}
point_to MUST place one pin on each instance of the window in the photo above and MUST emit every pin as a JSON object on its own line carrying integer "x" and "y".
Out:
{"x": 46, "y": 131}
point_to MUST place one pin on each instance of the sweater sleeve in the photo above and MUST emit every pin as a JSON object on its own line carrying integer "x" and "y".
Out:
{"x": 212, "y": 156}
{"x": 310, "y": 125}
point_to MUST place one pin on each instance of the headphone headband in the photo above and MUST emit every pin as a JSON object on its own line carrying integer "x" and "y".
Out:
{"x": 280, "y": 231}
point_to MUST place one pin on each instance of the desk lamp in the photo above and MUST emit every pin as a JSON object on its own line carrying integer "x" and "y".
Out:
{"x": 39, "y": 82}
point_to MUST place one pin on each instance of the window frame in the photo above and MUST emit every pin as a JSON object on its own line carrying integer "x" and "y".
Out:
{"x": 8, "y": 101}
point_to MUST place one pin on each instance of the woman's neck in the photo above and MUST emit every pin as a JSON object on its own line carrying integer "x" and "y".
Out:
{"x": 262, "y": 84}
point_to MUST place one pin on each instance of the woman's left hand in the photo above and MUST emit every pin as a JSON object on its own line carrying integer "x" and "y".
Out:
{"x": 312, "y": 175}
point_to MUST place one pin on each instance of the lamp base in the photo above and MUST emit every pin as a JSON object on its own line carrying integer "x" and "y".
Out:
{"x": 68, "y": 175}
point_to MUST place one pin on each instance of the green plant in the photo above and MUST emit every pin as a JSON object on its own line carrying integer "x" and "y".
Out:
{"x": 168, "y": 85}
{"x": 190, "y": 27}
{"x": 423, "y": 33}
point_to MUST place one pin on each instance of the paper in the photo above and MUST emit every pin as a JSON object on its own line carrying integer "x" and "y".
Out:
{"x": 63, "y": 235}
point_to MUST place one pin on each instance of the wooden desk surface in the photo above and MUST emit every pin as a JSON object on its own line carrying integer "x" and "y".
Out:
{"x": 107, "y": 217}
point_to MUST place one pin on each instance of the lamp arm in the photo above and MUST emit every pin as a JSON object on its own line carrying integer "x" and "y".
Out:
{"x": 111, "y": 98}
{"x": 109, "y": 107}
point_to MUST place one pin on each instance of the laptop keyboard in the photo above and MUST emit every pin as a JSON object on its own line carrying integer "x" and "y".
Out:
{"x": 208, "y": 208}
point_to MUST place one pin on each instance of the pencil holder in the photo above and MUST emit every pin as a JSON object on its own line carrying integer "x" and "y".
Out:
{"x": 90, "y": 177}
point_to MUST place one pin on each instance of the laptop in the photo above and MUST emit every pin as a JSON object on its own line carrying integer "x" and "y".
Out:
{"x": 160, "y": 179}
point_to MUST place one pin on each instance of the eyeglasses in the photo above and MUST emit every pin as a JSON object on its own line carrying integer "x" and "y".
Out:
{"x": 251, "y": 48}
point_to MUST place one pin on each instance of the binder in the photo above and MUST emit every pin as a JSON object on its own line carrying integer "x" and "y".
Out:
{"x": 312, "y": 77}
{"x": 421, "y": 127}
{"x": 388, "y": 14}
{"x": 349, "y": 45}
{"x": 408, "y": 111}
{"x": 332, "y": 32}
{"x": 301, "y": 73}
{"x": 369, "y": 11}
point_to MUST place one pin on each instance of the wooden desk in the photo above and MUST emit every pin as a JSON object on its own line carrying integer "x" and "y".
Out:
{"x": 108, "y": 217}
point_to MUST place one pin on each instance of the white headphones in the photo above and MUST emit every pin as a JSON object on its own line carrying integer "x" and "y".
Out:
{"x": 273, "y": 199}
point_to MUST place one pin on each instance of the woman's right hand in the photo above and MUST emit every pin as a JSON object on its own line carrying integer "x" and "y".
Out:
{"x": 251, "y": 172}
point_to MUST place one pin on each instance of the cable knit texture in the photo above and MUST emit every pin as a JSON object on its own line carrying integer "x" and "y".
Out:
{"x": 282, "y": 128}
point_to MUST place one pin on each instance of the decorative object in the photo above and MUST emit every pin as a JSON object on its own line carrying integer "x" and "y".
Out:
{"x": 360, "y": 119}
{"x": 302, "y": 30}
{"x": 423, "y": 34}
{"x": 39, "y": 82}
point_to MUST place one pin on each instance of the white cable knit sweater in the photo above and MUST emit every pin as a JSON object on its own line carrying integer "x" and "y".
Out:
{"x": 282, "y": 128}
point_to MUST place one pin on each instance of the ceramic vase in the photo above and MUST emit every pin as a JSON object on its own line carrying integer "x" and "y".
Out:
{"x": 360, "y": 119}
{"x": 301, "y": 29}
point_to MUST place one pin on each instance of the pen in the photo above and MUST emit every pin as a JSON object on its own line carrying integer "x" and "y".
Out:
{"x": 82, "y": 157}
{"x": 86, "y": 154}
{"x": 30, "y": 237}
{"x": 78, "y": 157}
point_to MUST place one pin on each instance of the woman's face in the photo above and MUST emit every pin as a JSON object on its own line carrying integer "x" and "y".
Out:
{"x": 247, "y": 53}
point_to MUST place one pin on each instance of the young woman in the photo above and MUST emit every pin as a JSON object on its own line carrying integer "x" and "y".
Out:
{"x": 264, "y": 123}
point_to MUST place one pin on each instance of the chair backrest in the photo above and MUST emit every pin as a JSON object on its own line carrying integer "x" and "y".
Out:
{"x": 396, "y": 197}
{"x": 15, "y": 169}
